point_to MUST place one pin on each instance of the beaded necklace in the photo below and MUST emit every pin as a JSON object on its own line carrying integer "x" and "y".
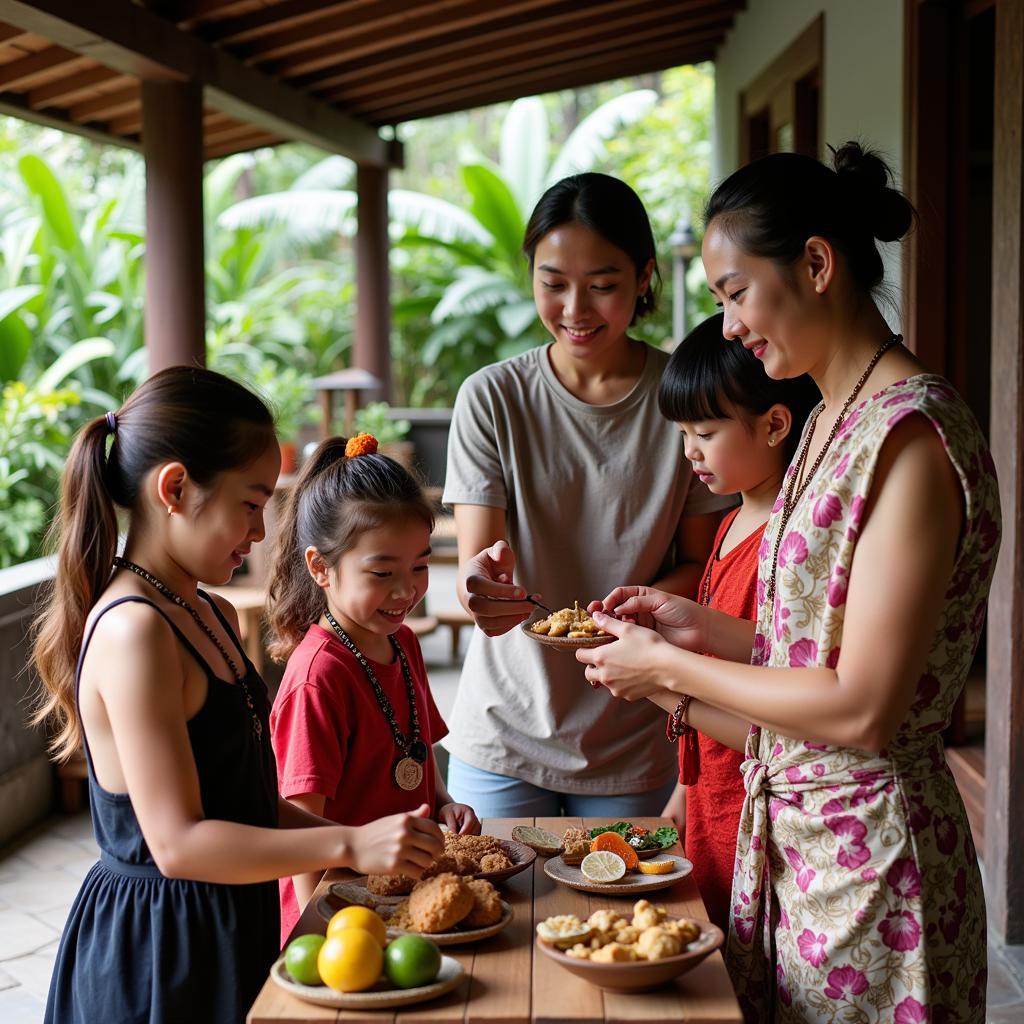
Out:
{"x": 240, "y": 677}
{"x": 408, "y": 769}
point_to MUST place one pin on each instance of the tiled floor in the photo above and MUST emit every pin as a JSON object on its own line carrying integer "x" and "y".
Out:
{"x": 41, "y": 872}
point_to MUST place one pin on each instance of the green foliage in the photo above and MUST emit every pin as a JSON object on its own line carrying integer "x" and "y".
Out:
{"x": 374, "y": 419}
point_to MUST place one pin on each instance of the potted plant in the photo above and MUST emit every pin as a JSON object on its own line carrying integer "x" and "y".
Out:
{"x": 288, "y": 392}
{"x": 374, "y": 419}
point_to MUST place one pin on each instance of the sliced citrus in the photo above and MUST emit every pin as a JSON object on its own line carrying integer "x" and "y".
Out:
{"x": 603, "y": 866}
{"x": 539, "y": 839}
{"x": 614, "y": 843}
{"x": 656, "y": 867}
{"x": 563, "y": 931}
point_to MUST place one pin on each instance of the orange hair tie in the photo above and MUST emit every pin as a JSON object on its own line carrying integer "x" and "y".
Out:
{"x": 361, "y": 444}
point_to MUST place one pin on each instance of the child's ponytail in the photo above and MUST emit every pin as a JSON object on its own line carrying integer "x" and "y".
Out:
{"x": 335, "y": 499}
{"x": 85, "y": 531}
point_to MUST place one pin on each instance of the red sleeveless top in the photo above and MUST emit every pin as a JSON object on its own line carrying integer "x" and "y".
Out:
{"x": 714, "y": 800}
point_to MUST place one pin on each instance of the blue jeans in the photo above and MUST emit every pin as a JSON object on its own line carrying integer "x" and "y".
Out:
{"x": 499, "y": 796}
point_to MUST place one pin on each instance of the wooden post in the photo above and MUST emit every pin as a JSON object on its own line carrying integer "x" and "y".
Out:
{"x": 373, "y": 299}
{"x": 172, "y": 143}
{"x": 1004, "y": 709}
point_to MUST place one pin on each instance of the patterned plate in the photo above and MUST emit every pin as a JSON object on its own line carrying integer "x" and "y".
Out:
{"x": 632, "y": 883}
{"x": 380, "y": 997}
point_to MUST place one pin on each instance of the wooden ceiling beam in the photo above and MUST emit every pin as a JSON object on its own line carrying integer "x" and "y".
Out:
{"x": 611, "y": 39}
{"x": 406, "y": 29}
{"x": 227, "y": 147}
{"x": 250, "y": 25}
{"x": 573, "y": 75}
{"x": 65, "y": 90}
{"x": 16, "y": 107}
{"x": 8, "y": 33}
{"x": 110, "y": 104}
{"x": 17, "y": 74}
{"x": 134, "y": 41}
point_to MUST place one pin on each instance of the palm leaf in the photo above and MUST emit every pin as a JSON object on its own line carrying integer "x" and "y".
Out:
{"x": 474, "y": 291}
{"x": 524, "y": 149}
{"x": 80, "y": 353}
{"x": 42, "y": 182}
{"x": 495, "y": 207}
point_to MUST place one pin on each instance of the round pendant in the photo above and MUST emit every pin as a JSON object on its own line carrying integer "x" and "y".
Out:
{"x": 418, "y": 752}
{"x": 408, "y": 774}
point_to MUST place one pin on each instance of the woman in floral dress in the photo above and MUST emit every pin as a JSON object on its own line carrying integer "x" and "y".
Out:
{"x": 856, "y": 896}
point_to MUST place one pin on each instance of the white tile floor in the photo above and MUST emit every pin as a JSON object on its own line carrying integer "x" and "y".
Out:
{"x": 41, "y": 871}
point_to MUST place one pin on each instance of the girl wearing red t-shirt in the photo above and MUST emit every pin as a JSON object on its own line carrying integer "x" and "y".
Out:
{"x": 740, "y": 429}
{"x": 354, "y": 723}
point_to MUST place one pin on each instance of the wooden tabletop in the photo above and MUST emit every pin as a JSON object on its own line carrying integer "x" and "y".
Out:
{"x": 506, "y": 983}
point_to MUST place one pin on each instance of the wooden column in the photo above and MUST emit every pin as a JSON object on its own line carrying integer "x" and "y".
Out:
{"x": 373, "y": 294}
{"x": 172, "y": 143}
{"x": 1004, "y": 711}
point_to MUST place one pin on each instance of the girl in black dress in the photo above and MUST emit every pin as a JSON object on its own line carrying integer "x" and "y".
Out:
{"x": 178, "y": 921}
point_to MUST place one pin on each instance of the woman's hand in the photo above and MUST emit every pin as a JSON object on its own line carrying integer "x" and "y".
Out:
{"x": 401, "y": 844}
{"x": 627, "y": 668}
{"x": 680, "y": 621}
{"x": 459, "y": 818}
{"x": 495, "y": 602}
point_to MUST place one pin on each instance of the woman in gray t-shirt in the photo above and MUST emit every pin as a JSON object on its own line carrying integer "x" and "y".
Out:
{"x": 566, "y": 480}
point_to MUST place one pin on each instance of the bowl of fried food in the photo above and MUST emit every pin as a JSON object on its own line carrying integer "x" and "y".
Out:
{"x": 628, "y": 954}
{"x": 568, "y": 629}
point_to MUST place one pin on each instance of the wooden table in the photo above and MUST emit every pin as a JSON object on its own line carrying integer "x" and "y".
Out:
{"x": 508, "y": 983}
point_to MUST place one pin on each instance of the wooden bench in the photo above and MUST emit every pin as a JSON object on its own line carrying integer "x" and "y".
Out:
{"x": 455, "y": 619}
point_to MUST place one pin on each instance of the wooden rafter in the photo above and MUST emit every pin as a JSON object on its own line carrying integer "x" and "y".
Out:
{"x": 69, "y": 88}
{"x": 132, "y": 40}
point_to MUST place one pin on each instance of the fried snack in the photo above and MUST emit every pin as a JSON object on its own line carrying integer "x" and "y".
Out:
{"x": 439, "y": 903}
{"x": 494, "y": 862}
{"x": 390, "y": 885}
{"x": 564, "y": 930}
{"x": 613, "y": 953}
{"x": 627, "y": 935}
{"x": 546, "y": 843}
{"x": 646, "y": 915}
{"x": 486, "y": 904}
{"x": 573, "y": 623}
{"x": 441, "y": 865}
{"x": 399, "y": 917}
{"x": 575, "y": 845}
{"x": 657, "y": 943}
{"x": 606, "y": 923}
{"x": 685, "y": 931}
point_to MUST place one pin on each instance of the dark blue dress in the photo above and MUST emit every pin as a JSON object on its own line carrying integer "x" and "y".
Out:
{"x": 140, "y": 948}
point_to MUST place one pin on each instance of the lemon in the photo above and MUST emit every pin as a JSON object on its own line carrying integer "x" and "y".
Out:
{"x": 563, "y": 931}
{"x": 656, "y": 867}
{"x": 359, "y": 917}
{"x": 350, "y": 960}
{"x": 603, "y": 866}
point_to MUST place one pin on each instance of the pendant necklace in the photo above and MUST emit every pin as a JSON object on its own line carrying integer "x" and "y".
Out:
{"x": 240, "y": 677}
{"x": 408, "y": 769}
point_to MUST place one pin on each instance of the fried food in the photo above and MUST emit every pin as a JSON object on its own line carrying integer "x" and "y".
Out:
{"x": 399, "y": 917}
{"x": 575, "y": 845}
{"x": 486, "y": 904}
{"x": 612, "y": 939}
{"x": 494, "y": 862}
{"x": 439, "y": 903}
{"x": 573, "y": 623}
{"x": 390, "y": 885}
{"x": 444, "y": 863}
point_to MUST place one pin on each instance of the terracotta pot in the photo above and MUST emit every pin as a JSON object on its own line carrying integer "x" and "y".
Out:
{"x": 288, "y": 462}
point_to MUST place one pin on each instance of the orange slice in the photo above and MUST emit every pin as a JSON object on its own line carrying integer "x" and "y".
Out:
{"x": 614, "y": 843}
{"x": 656, "y": 867}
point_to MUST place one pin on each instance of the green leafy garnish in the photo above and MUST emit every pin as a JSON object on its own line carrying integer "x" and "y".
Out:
{"x": 660, "y": 838}
{"x": 666, "y": 835}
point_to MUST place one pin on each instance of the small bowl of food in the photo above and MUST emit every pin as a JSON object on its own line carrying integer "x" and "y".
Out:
{"x": 567, "y": 629}
{"x": 618, "y": 953}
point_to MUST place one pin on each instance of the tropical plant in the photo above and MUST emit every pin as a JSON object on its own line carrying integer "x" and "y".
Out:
{"x": 375, "y": 418}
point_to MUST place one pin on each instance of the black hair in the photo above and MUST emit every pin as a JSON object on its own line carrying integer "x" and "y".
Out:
{"x": 611, "y": 209}
{"x": 772, "y": 206}
{"x": 707, "y": 372}
{"x": 336, "y": 498}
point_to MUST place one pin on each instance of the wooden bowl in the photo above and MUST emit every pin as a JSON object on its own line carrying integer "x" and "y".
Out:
{"x": 562, "y": 643}
{"x": 640, "y": 974}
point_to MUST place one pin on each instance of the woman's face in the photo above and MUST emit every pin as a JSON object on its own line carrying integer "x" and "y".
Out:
{"x": 764, "y": 310}
{"x": 585, "y": 290}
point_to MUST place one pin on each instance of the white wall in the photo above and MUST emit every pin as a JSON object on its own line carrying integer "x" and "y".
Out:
{"x": 862, "y": 76}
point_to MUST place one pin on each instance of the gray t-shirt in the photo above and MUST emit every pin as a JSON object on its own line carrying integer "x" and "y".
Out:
{"x": 593, "y": 497}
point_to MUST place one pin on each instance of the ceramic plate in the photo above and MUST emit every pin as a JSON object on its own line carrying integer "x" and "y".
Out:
{"x": 632, "y": 883}
{"x": 562, "y": 643}
{"x": 328, "y": 905}
{"x": 377, "y": 998}
{"x": 640, "y": 974}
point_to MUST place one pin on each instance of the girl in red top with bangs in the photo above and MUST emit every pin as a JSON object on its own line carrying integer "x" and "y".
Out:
{"x": 740, "y": 430}
{"x": 354, "y": 723}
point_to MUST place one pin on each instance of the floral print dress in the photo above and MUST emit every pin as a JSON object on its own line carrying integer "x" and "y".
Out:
{"x": 857, "y": 896}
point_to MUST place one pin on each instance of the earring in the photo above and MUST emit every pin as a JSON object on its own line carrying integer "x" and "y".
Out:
{"x": 771, "y": 444}
{"x": 170, "y": 509}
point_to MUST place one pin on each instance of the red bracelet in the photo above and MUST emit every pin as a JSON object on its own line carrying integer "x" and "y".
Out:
{"x": 677, "y": 725}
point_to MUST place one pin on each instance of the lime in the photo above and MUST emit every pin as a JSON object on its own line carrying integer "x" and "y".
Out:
{"x": 411, "y": 960}
{"x": 359, "y": 917}
{"x": 300, "y": 959}
{"x": 603, "y": 866}
{"x": 350, "y": 960}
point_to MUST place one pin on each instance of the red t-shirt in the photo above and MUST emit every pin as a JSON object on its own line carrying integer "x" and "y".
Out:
{"x": 331, "y": 738}
{"x": 714, "y": 802}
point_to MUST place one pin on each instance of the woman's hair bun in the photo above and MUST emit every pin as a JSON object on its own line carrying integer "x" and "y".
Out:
{"x": 867, "y": 180}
